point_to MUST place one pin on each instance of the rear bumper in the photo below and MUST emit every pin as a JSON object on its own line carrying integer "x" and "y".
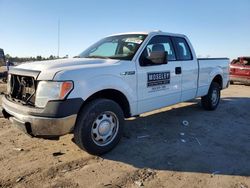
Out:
{"x": 39, "y": 122}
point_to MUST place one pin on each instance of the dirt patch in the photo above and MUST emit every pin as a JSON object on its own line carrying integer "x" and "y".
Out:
{"x": 157, "y": 150}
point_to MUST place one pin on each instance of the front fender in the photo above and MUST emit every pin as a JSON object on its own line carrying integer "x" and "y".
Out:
{"x": 87, "y": 87}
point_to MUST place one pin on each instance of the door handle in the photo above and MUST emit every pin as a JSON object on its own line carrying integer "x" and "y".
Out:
{"x": 177, "y": 70}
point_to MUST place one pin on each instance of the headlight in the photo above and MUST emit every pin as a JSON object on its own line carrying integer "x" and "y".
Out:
{"x": 50, "y": 90}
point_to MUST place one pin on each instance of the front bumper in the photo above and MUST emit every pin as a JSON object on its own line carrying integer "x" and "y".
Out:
{"x": 56, "y": 119}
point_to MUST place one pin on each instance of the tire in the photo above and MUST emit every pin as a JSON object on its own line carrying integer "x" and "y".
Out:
{"x": 99, "y": 126}
{"x": 212, "y": 99}
{"x": 231, "y": 82}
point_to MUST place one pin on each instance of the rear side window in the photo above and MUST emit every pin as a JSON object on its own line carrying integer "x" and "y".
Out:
{"x": 182, "y": 49}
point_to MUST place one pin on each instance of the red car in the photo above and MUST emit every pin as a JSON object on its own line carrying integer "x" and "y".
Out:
{"x": 240, "y": 70}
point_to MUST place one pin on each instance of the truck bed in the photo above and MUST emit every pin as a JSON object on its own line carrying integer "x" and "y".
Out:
{"x": 207, "y": 68}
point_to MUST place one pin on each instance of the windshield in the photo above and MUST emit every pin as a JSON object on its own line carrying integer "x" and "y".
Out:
{"x": 115, "y": 47}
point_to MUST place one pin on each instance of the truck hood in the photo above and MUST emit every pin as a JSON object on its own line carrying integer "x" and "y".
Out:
{"x": 48, "y": 69}
{"x": 65, "y": 63}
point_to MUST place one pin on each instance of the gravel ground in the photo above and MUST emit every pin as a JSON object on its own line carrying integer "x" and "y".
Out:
{"x": 155, "y": 151}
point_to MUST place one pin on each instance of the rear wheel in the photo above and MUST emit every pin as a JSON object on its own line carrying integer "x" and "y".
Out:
{"x": 212, "y": 99}
{"x": 99, "y": 126}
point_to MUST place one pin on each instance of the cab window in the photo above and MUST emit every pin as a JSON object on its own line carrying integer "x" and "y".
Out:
{"x": 157, "y": 44}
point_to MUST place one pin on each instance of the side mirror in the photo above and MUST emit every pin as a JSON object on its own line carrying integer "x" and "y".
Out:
{"x": 158, "y": 57}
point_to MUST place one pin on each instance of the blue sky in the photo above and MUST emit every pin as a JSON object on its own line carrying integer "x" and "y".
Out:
{"x": 218, "y": 28}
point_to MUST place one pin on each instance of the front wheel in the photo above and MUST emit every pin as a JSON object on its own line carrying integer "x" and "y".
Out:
{"x": 99, "y": 126}
{"x": 212, "y": 99}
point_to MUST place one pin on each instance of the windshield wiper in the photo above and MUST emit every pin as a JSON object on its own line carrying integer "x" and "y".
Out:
{"x": 97, "y": 56}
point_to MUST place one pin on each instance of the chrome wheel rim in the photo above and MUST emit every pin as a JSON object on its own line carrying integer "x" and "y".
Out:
{"x": 104, "y": 128}
{"x": 214, "y": 97}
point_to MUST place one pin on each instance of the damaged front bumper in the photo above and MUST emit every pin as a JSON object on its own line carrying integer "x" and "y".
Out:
{"x": 56, "y": 119}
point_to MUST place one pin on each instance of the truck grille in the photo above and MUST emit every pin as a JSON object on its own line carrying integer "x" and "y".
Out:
{"x": 22, "y": 89}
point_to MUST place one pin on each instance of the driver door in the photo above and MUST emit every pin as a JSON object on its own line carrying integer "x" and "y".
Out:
{"x": 158, "y": 85}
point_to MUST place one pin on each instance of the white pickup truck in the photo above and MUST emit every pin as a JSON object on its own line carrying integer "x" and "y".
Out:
{"x": 120, "y": 76}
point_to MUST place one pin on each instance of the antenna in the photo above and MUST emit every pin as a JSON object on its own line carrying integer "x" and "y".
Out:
{"x": 58, "y": 42}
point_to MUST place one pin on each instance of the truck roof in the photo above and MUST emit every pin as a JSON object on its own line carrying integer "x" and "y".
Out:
{"x": 159, "y": 32}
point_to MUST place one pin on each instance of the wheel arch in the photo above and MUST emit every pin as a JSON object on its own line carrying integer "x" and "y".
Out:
{"x": 218, "y": 79}
{"x": 114, "y": 95}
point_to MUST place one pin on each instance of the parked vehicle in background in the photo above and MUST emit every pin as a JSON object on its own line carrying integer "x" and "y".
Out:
{"x": 3, "y": 73}
{"x": 2, "y": 57}
{"x": 240, "y": 70}
{"x": 122, "y": 75}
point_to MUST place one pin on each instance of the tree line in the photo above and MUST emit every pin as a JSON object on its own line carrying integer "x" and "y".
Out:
{"x": 25, "y": 59}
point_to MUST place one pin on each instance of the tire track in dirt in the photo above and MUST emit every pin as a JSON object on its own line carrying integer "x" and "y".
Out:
{"x": 30, "y": 179}
{"x": 138, "y": 177}
{"x": 52, "y": 172}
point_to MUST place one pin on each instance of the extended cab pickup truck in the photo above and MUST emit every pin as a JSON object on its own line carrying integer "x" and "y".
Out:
{"x": 120, "y": 76}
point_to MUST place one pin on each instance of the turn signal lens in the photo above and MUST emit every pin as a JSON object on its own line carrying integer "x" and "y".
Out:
{"x": 66, "y": 87}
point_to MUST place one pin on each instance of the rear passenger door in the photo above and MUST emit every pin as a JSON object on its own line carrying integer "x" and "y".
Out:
{"x": 158, "y": 85}
{"x": 189, "y": 65}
